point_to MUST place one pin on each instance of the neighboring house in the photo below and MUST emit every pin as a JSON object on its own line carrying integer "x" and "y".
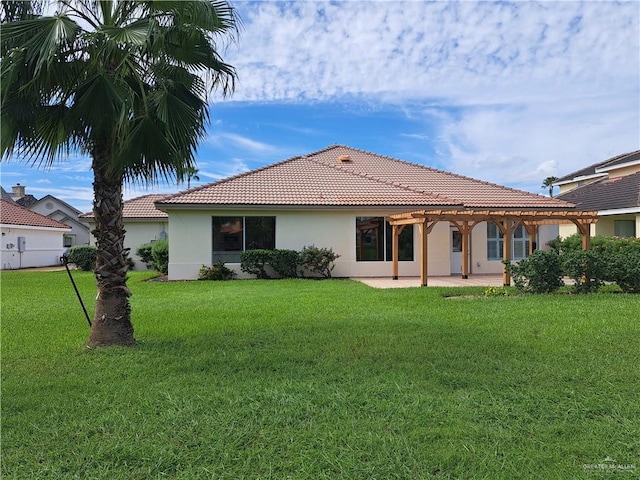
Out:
{"x": 56, "y": 209}
{"x": 28, "y": 238}
{"x": 342, "y": 198}
{"x": 612, "y": 188}
{"x": 143, "y": 223}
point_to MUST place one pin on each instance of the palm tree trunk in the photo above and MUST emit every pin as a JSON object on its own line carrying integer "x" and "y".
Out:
{"x": 112, "y": 319}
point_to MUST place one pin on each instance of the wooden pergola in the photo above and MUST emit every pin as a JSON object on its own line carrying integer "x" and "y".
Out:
{"x": 465, "y": 219}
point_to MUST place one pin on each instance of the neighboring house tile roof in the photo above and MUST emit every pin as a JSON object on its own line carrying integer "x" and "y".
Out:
{"x": 606, "y": 194}
{"x": 344, "y": 176}
{"x": 139, "y": 208}
{"x": 610, "y": 162}
{"x": 14, "y": 214}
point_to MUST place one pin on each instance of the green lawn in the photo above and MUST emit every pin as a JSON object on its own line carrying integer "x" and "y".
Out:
{"x": 312, "y": 379}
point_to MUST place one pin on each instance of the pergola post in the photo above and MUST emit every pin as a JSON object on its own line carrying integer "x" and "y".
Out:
{"x": 466, "y": 233}
{"x": 507, "y": 227}
{"x": 532, "y": 231}
{"x": 396, "y": 230}
{"x": 424, "y": 251}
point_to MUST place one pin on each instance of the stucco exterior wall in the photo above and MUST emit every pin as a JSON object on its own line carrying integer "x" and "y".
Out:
{"x": 139, "y": 233}
{"x": 43, "y": 247}
{"x": 190, "y": 244}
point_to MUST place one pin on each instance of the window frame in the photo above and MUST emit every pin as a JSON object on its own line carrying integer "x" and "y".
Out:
{"x": 233, "y": 256}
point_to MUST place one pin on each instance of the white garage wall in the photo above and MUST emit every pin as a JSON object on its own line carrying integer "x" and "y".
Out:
{"x": 43, "y": 247}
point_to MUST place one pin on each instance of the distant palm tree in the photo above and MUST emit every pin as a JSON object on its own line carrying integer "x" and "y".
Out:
{"x": 548, "y": 183}
{"x": 191, "y": 173}
{"x": 126, "y": 82}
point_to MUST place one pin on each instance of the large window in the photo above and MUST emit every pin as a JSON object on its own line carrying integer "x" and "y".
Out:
{"x": 233, "y": 235}
{"x": 374, "y": 238}
{"x": 495, "y": 243}
{"x": 624, "y": 228}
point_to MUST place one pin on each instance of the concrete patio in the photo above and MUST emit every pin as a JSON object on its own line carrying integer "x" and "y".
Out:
{"x": 450, "y": 281}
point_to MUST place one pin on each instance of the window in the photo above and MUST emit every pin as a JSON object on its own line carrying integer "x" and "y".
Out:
{"x": 624, "y": 228}
{"x": 374, "y": 241}
{"x": 233, "y": 235}
{"x": 495, "y": 243}
{"x": 68, "y": 240}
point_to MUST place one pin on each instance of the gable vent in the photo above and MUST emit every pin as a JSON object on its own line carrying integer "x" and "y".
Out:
{"x": 344, "y": 158}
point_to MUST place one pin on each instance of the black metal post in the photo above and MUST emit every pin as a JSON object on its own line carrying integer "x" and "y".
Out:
{"x": 66, "y": 265}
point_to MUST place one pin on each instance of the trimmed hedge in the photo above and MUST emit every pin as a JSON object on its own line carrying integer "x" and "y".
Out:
{"x": 83, "y": 256}
{"x": 160, "y": 254}
{"x": 288, "y": 263}
{"x": 144, "y": 252}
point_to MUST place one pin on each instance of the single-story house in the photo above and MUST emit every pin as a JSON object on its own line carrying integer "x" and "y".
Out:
{"x": 349, "y": 200}
{"x": 143, "y": 223}
{"x": 612, "y": 188}
{"x": 28, "y": 238}
{"x": 57, "y": 209}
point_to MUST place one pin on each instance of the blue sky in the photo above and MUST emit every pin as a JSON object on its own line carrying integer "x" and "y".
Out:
{"x": 508, "y": 92}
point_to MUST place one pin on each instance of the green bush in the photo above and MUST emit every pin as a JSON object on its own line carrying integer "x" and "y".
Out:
{"x": 285, "y": 262}
{"x": 83, "y": 256}
{"x": 624, "y": 270}
{"x": 160, "y": 254}
{"x": 588, "y": 268}
{"x": 217, "y": 271}
{"x": 254, "y": 262}
{"x": 319, "y": 261}
{"x": 540, "y": 273}
{"x": 145, "y": 254}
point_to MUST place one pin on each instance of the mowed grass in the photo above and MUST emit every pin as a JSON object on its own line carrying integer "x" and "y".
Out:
{"x": 311, "y": 379}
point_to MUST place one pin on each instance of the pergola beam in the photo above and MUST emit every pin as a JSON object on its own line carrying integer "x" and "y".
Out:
{"x": 466, "y": 219}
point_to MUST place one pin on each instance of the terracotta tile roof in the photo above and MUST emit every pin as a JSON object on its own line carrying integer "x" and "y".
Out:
{"x": 14, "y": 214}
{"x": 344, "y": 176}
{"x": 140, "y": 207}
{"x": 607, "y": 194}
{"x": 610, "y": 162}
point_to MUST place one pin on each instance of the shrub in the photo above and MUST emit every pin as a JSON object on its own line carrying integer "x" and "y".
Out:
{"x": 624, "y": 270}
{"x": 83, "y": 256}
{"x": 254, "y": 262}
{"x": 588, "y": 269}
{"x": 540, "y": 273}
{"x": 217, "y": 271}
{"x": 319, "y": 261}
{"x": 160, "y": 254}
{"x": 144, "y": 252}
{"x": 285, "y": 262}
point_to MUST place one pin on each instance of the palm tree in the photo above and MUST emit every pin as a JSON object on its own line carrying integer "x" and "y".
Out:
{"x": 126, "y": 82}
{"x": 548, "y": 183}
{"x": 191, "y": 173}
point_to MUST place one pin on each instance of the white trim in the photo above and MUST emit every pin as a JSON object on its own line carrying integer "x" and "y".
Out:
{"x": 619, "y": 211}
{"x": 618, "y": 166}
{"x": 31, "y": 227}
{"x": 580, "y": 179}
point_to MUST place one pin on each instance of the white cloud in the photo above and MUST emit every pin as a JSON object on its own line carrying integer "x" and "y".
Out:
{"x": 240, "y": 141}
{"x": 516, "y": 90}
